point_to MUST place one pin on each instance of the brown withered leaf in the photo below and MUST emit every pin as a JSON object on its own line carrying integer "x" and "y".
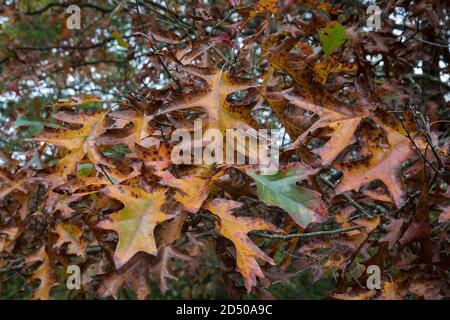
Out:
{"x": 342, "y": 123}
{"x": 7, "y": 238}
{"x": 383, "y": 164}
{"x": 160, "y": 268}
{"x": 427, "y": 289}
{"x": 133, "y": 274}
{"x": 444, "y": 216}
{"x": 393, "y": 231}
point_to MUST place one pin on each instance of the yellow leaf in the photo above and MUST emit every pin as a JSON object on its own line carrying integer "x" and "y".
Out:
{"x": 136, "y": 222}
{"x": 192, "y": 191}
{"x": 70, "y": 234}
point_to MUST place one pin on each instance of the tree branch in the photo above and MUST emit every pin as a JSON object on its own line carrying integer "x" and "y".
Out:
{"x": 61, "y": 5}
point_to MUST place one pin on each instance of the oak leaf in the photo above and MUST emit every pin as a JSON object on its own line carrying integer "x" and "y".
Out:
{"x": 332, "y": 37}
{"x": 44, "y": 273}
{"x": 192, "y": 191}
{"x": 342, "y": 122}
{"x": 161, "y": 268}
{"x": 82, "y": 100}
{"x": 383, "y": 164}
{"x": 134, "y": 274}
{"x": 236, "y": 229}
{"x": 393, "y": 231}
{"x": 221, "y": 113}
{"x": 70, "y": 234}
{"x": 303, "y": 205}
{"x": 78, "y": 142}
{"x": 136, "y": 222}
{"x": 390, "y": 292}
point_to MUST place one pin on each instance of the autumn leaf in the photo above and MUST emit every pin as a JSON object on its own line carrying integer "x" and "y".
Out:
{"x": 44, "y": 273}
{"x": 323, "y": 5}
{"x": 78, "y": 143}
{"x": 9, "y": 185}
{"x": 133, "y": 274}
{"x": 70, "y": 234}
{"x": 355, "y": 295}
{"x": 160, "y": 268}
{"x": 236, "y": 229}
{"x": 330, "y": 65}
{"x": 192, "y": 191}
{"x": 265, "y": 5}
{"x": 427, "y": 288}
{"x": 7, "y": 238}
{"x": 136, "y": 222}
{"x": 82, "y": 100}
{"x": 221, "y": 114}
{"x": 390, "y": 292}
{"x": 139, "y": 134}
{"x": 393, "y": 231}
{"x": 445, "y": 214}
{"x": 383, "y": 164}
{"x": 340, "y": 120}
{"x": 156, "y": 157}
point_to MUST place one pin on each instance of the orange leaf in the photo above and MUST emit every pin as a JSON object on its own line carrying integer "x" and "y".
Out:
{"x": 192, "y": 191}
{"x": 236, "y": 229}
{"x": 44, "y": 273}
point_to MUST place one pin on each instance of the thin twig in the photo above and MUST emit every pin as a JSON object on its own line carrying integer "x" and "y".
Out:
{"x": 307, "y": 235}
{"x": 144, "y": 30}
{"x": 347, "y": 197}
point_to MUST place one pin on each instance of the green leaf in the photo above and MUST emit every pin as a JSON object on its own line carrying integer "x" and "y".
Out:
{"x": 332, "y": 37}
{"x": 34, "y": 126}
{"x": 119, "y": 39}
{"x": 117, "y": 151}
{"x": 85, "y": 169}
{"x": 303, "y": 205}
